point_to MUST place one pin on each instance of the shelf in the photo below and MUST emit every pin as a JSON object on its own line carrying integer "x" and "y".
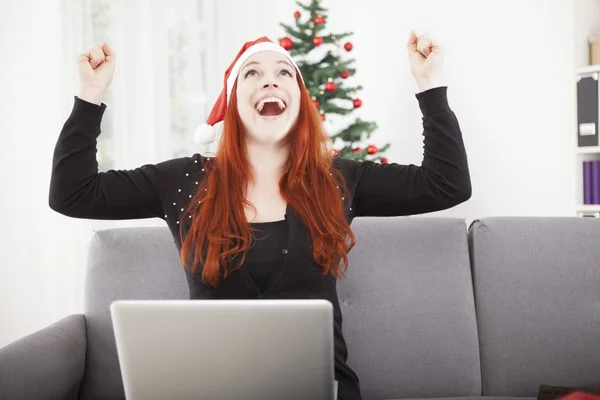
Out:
{"x": 588, "y": 150}
{"x": 588, "y": 207}
{"x": 587, "y": 69}
{"x": 588, "y": 120}
{"x": 588, "y": 210}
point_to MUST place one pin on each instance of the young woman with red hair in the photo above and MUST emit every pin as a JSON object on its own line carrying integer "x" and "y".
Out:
{"x": 269, "y": 215}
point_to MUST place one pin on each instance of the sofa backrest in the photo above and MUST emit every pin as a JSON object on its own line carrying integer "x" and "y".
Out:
{"x": 407, "y": 300}
{"x": 408, "y": 306}
{"x": 537, "y": 291}
{"x": 127, "y": 263}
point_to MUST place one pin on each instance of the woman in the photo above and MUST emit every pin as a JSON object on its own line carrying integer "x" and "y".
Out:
{"x": 269, "y": 216}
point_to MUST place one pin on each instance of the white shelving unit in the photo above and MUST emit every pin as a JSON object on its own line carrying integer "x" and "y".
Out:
{"x": 587, "y": 152}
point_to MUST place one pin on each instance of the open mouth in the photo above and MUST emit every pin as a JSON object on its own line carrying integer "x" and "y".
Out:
{"x": 270, "y": 107}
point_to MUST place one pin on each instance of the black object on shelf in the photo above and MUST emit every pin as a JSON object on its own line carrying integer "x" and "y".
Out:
{"x": 587, "y": 109}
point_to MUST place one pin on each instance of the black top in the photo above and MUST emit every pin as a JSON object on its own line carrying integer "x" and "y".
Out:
{"x": 267, "y": 254}
{"x": 163, "y": 190}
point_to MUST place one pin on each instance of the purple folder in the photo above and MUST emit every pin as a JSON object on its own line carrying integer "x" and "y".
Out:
{"x": 587, "y": 182}
{"x": 595, "y": 182}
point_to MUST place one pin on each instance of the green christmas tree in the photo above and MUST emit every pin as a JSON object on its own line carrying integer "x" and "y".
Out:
{"x": 317, "y": 54}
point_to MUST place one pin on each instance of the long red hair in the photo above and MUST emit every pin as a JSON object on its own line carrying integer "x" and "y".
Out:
{"x": 219, "y": 232}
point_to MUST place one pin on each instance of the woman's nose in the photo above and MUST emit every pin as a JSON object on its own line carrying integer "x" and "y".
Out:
{"x": 266, "y": 85}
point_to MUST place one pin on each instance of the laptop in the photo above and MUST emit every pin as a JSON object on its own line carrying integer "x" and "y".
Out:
{"x": 225, "y": 349}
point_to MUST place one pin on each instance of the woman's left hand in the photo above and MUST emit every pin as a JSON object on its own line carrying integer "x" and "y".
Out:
{"x": 425, "y": 56}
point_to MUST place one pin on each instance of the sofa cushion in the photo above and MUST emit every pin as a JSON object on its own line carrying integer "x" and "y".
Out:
{"x": 408, "y": 307}
{"x": 537, "y": 296}
{"x": 128, "y": 263}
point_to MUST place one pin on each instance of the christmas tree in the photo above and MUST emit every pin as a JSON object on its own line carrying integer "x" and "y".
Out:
{"x": 317, "y": 54}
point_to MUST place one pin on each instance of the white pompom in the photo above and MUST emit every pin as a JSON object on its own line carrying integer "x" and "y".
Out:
{"x": 204, "y": 134}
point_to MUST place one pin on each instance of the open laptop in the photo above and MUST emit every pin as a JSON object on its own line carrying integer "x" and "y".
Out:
{"x": 225, "y": 349}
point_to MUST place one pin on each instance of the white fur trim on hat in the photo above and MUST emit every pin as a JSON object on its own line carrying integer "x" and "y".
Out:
{"x": 206, "y": 134}
{"x": 257, "y": 48}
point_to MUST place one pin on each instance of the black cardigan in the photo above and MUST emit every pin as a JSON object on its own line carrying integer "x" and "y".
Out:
{"x": 163, "y": 190}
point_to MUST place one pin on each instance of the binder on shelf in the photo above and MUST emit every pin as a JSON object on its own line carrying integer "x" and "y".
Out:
{"x": 587, "y": 182}
{"x": 595, "y": 182}
{"x": 587, "y": 109}
{"x": 591, "y": 182}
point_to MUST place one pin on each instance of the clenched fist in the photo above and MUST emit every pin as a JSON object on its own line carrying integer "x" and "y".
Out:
{"x": 425, "y": 56}
{"x": 96, "y": 67}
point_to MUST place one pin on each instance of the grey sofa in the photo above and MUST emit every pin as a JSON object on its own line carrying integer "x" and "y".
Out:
{"x": 432, "y": 308}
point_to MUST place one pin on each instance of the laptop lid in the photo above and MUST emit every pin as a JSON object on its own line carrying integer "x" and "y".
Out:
{"x": 225, "y": 349}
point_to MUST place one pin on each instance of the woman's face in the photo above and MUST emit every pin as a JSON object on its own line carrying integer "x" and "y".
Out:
{"x": 268, "y": 97}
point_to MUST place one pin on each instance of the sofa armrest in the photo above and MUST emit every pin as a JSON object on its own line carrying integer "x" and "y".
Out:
{"x": 47, "y": 364}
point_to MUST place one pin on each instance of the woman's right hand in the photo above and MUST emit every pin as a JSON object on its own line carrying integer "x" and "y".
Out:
{"x": 96, "y": 67}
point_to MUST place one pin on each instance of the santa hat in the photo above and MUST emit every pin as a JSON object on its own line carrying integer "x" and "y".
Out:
{"x": 207, "y": 132}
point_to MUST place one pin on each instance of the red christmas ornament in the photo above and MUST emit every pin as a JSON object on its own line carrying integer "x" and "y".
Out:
{"x": 356, "y": 150}
{"x": 330, "y": 86}
{"x": 297, "y": 14}
{"x": 384, "y": 160}
{"x": 322, "y": 117}
{"x": 357, "y": 103}
{"x": 319, "y": 20}
{"x": 317, "y": 40}
{"x": 316, "y": 102}
{"x": 348, "y": 46}
{"x": 372, "y": 149}
{"x": 286, "y": 43}
{"x": 335, "y": 153}
{"x": 345, "y": 74}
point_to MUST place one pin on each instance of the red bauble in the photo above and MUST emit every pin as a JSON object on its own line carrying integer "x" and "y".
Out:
{"x": 356, "y": 150}
{"x": 357, "y": 103}
{"x": 297, "y": 14}
{"x": 319, "y": 20}
{"x": 345, "y": 74}
{"x": 316, "y": 102}
{"x": 335, "y": 153}
{"x": 348, "y": 46}
{"x": 317, "y": 40}
{"x": 384, "y": 160}
{"x": 372, "y": 150}
{"x": 286, "y": 43}
{"x": 322, "y": 117}
{"x": 330, "y": 86}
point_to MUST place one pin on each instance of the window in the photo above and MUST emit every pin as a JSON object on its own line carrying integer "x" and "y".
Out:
{"x": 188, "y": 52}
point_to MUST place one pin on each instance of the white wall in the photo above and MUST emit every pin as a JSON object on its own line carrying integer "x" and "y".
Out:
{"x": 509, "y": 69}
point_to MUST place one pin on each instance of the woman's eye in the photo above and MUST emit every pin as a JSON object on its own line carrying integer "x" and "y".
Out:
{"x": 253, "y": 72}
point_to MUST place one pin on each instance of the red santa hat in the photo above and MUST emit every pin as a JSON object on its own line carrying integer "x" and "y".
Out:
{"x": 207, "y": 132}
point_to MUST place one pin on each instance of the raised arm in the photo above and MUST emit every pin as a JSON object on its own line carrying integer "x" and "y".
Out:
{"x": 442, "y": 180}
{"x": 77, "y": 189}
